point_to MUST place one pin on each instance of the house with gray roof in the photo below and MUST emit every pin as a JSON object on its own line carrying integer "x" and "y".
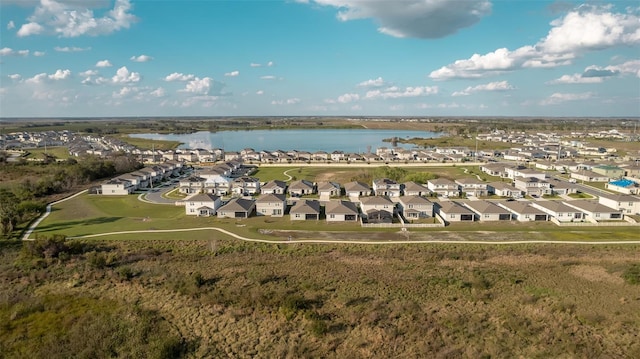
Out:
{"x": 503, "y": 189}
{"x": 301, "y": 188}
{"x": 414, "y": 189}
{"x": 452, "y": 211}
{"x": 305, "y": 209}
{"x": 488, "y": 211}
{"x": 202, "y": 204}
{"x": 443, "y": 187}
{"x": 415, "y": 207}
{"x": 386, "y": 187}
{"x": 558, "y": 210}
{"x": 328, "y": 189}
{"x": 627, "y": 203}
{"x": 357, "y": 189}
{"x": 595, "y": 211}
{"x": 237, "y": 208}
{"x": 341, "y": 211}
{"x": 275, "y": 187}
{"x": 271, "y": 204}
{"x": 523, "y": 211}
{"x": 472, "y": 186}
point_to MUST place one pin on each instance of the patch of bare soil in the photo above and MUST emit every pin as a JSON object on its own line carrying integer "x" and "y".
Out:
{"x": 594, "y": 273}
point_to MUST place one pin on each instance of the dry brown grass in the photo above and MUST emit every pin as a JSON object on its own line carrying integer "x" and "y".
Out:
{"x": 235, "y": 299}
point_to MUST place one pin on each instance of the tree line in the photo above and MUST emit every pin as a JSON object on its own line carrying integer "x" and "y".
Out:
{"x": 26, "y": 197}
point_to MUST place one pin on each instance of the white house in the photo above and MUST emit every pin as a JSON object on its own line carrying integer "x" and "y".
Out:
{"x": 386, "y": 187}
{"x": 341, "y": 211}
{"x": 523, "y": 211}
{"x": 452, "y": 211}
{"x": 532, "y": 186}
{"x": 595, "y": 211}
{"x": 558, "y": 210}
{"x": 415, "y": 207}
{"x": 488, "y": 211}
{"x": 275, "y": 187}
{"x": 414, "y": 189}
{"x": 503, "y": 190}
{"x": 116, "y": 187}
{"x": 328, "y": 189}
{"x": 472, "y": 187}
{"x": 357, "y": 189}
{"x": 270, "y": 204}
{"x": 202, "y": 204}
{"x": 628, "y": 204}
{"x": 443, "y": 187}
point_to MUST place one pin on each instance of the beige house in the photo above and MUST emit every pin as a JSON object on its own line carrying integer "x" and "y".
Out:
{"x": 503, "y": 190}
{"x": 301, "y": 188}
{"x": 558, "y": 210}
{"x": 488, "y": 211}
{"x": 270, "y": 204}
{"x": 275, "y": 187}
{"x": 341, "y": 211}
{"x": 305, "y": 209}
{"x": 237, "y": 208}
{"x": 328, "y": 189}
{"x": 532, "y": 186}
{"x": 443, "y": 187}
{"x": 595, "y": 211}
{"x": 523, "y": 211}
{"x": 452, "y": 211}
{"x": 414, "y": 189}
{"x": 357, "y": 189}
{"x": 628, "y": 204}
{"x": 415, "y": 207}
{"x": 472, "y": 187}
{"x": 117, "y": 187}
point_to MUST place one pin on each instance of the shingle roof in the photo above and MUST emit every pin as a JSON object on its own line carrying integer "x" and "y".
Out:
{"x": 485, "y": 207}
{"x": 306, "y": 206}
{"x": 341, "y": 207}
{"x": 271, "y": 197}
{"x": 202, "y": 197}
{"x": 454, "y": 207}
{"x": 238, "y": 205}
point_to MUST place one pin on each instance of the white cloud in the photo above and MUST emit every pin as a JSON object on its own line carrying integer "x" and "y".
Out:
{"x": 14, "y": 77}
{"x": 348, "y": 97}
{"x": 177, "y": 76}
{"x": 290, "y": 101}
{"x": 270, "y": 64}
{"x": 7, "y": 51}
{"x": 414, "y": 18}
{"x": 38, "y": 53}
{"x": 71, "y": 49}
{"x": 29, "y": 29}
{"x": 256, "y": 64}
{"x": 232, "y": 73}
{"x": 43, "y": 77}
{"x": 123, "y": 76}
{"x": 60, "y": 75}
{"x": 159, "y": 92}
{"x": 253, "y": 64}
{"x": 11, "y": 25}
{"x": 575, "y": 79}
{"x": 141, "y": 58}
{"x": 268, "y": 77}
{"x": 558, "y": 98}
{"x": 259, "y": 92}
{"x": 379, "y": 82}
{"x": 72, "y": 19}
{"x": 395, "y": 92}
{"x": 631, "y": 67}
{"x": 492, "y": 86}
{"x": 88, "y": 73}
{"x": 584, "y": 29}
{"x": 103, "y": 63}
{"x": 199, "y": 86}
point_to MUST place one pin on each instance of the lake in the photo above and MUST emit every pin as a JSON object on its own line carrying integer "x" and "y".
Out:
{"x": 311, "y": 140}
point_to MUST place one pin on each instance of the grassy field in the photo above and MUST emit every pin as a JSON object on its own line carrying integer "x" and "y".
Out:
{"x": 224, "y": 298}
{"x": 58, "y": 152}
{"x": 147, "y": 144}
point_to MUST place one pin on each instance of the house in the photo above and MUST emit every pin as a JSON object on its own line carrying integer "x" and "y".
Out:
{"x": 472, "y": 187}
{"x": 532, "y": 186}
{"x": 558, "y": 210}
{"x": 623, "y": 186}
{"x": 245, "y": 186}
{"x": 305, "y": 209}
{"x": 589, "y": 176}
{"x": 328, "y": 189}
{"x": 415, "y": 207}
{"x": 414, "y": 189}
{"x": 301, "y": 188}
{"x": 218, "y": 185}
{"x": 451, "y": 211}
{"x": 116, "y": 187}
{"x": 341, "y": 211}
{"x": 357, "y": 189}
{"x": 386, "y": 187}
{"x": 609, "y": 171}
{"x": 443, "y": 187}
{"x": 523, "y": 211}
{"x": 275, "y": 187}
{"x": 202, "y": 204}
{"x": 191, "y": 184}
{"x": 495, "y": 169}
{"x": 337, "y": 156}
{"x": 632, "y": 171}
{"x": 377, "y": 209}
{"x": 271, "y": 204}
{"x": 237, "y": 208}
{"x": 514, "y": 172}
{"x": 138, "y": 182}
{"x": 562, "y": 188}
{"x": 628, "y": 204}
{"x": 503, "y": 190}
{"x": 595, "y": 211}
{"x": 488, "y": 211}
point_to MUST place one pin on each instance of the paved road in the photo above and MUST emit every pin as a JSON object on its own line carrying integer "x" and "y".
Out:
{"x": 328, "y": 241}
{"x": 584, "y": 188}
{"x": 153, "y": 196}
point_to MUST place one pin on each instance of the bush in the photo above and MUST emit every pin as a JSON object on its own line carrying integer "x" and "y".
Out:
{"x": 631, "y": 275}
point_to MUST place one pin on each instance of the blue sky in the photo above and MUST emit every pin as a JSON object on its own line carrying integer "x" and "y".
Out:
{"x": 78, "y": 58}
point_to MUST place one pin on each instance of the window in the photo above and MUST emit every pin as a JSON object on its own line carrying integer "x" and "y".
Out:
{"x": 297, "y": 215}
{"x": 332, "y": 216}
{"x": 452, "y": 216}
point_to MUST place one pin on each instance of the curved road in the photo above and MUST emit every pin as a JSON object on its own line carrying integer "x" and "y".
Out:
{"x": 328, "y": 241}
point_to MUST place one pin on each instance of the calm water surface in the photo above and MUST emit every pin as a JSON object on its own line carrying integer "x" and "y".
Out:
{"x": 348, "y": 140}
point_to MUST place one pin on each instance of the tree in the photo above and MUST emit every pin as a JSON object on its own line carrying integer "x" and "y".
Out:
{"x": 8, "y": 211}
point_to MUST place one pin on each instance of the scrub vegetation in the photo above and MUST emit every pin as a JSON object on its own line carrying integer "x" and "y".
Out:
{"x": 226, "y": 298}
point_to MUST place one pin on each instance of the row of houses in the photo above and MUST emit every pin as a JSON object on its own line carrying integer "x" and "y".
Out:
{"x": 143, "y": 178}
{"x": 381, "y": 209}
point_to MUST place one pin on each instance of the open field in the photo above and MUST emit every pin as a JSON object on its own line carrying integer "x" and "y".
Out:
{"x": 58, "y": 152}
{"x": 225, "y": 298}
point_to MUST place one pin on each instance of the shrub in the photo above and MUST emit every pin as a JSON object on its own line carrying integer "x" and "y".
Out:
{"x": 631, "y": 275}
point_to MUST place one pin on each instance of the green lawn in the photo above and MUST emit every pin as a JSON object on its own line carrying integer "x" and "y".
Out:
{"x": 58, "y": 152}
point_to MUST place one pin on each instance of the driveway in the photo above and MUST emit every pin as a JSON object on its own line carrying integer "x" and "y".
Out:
{"x": 155, "y": 195}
